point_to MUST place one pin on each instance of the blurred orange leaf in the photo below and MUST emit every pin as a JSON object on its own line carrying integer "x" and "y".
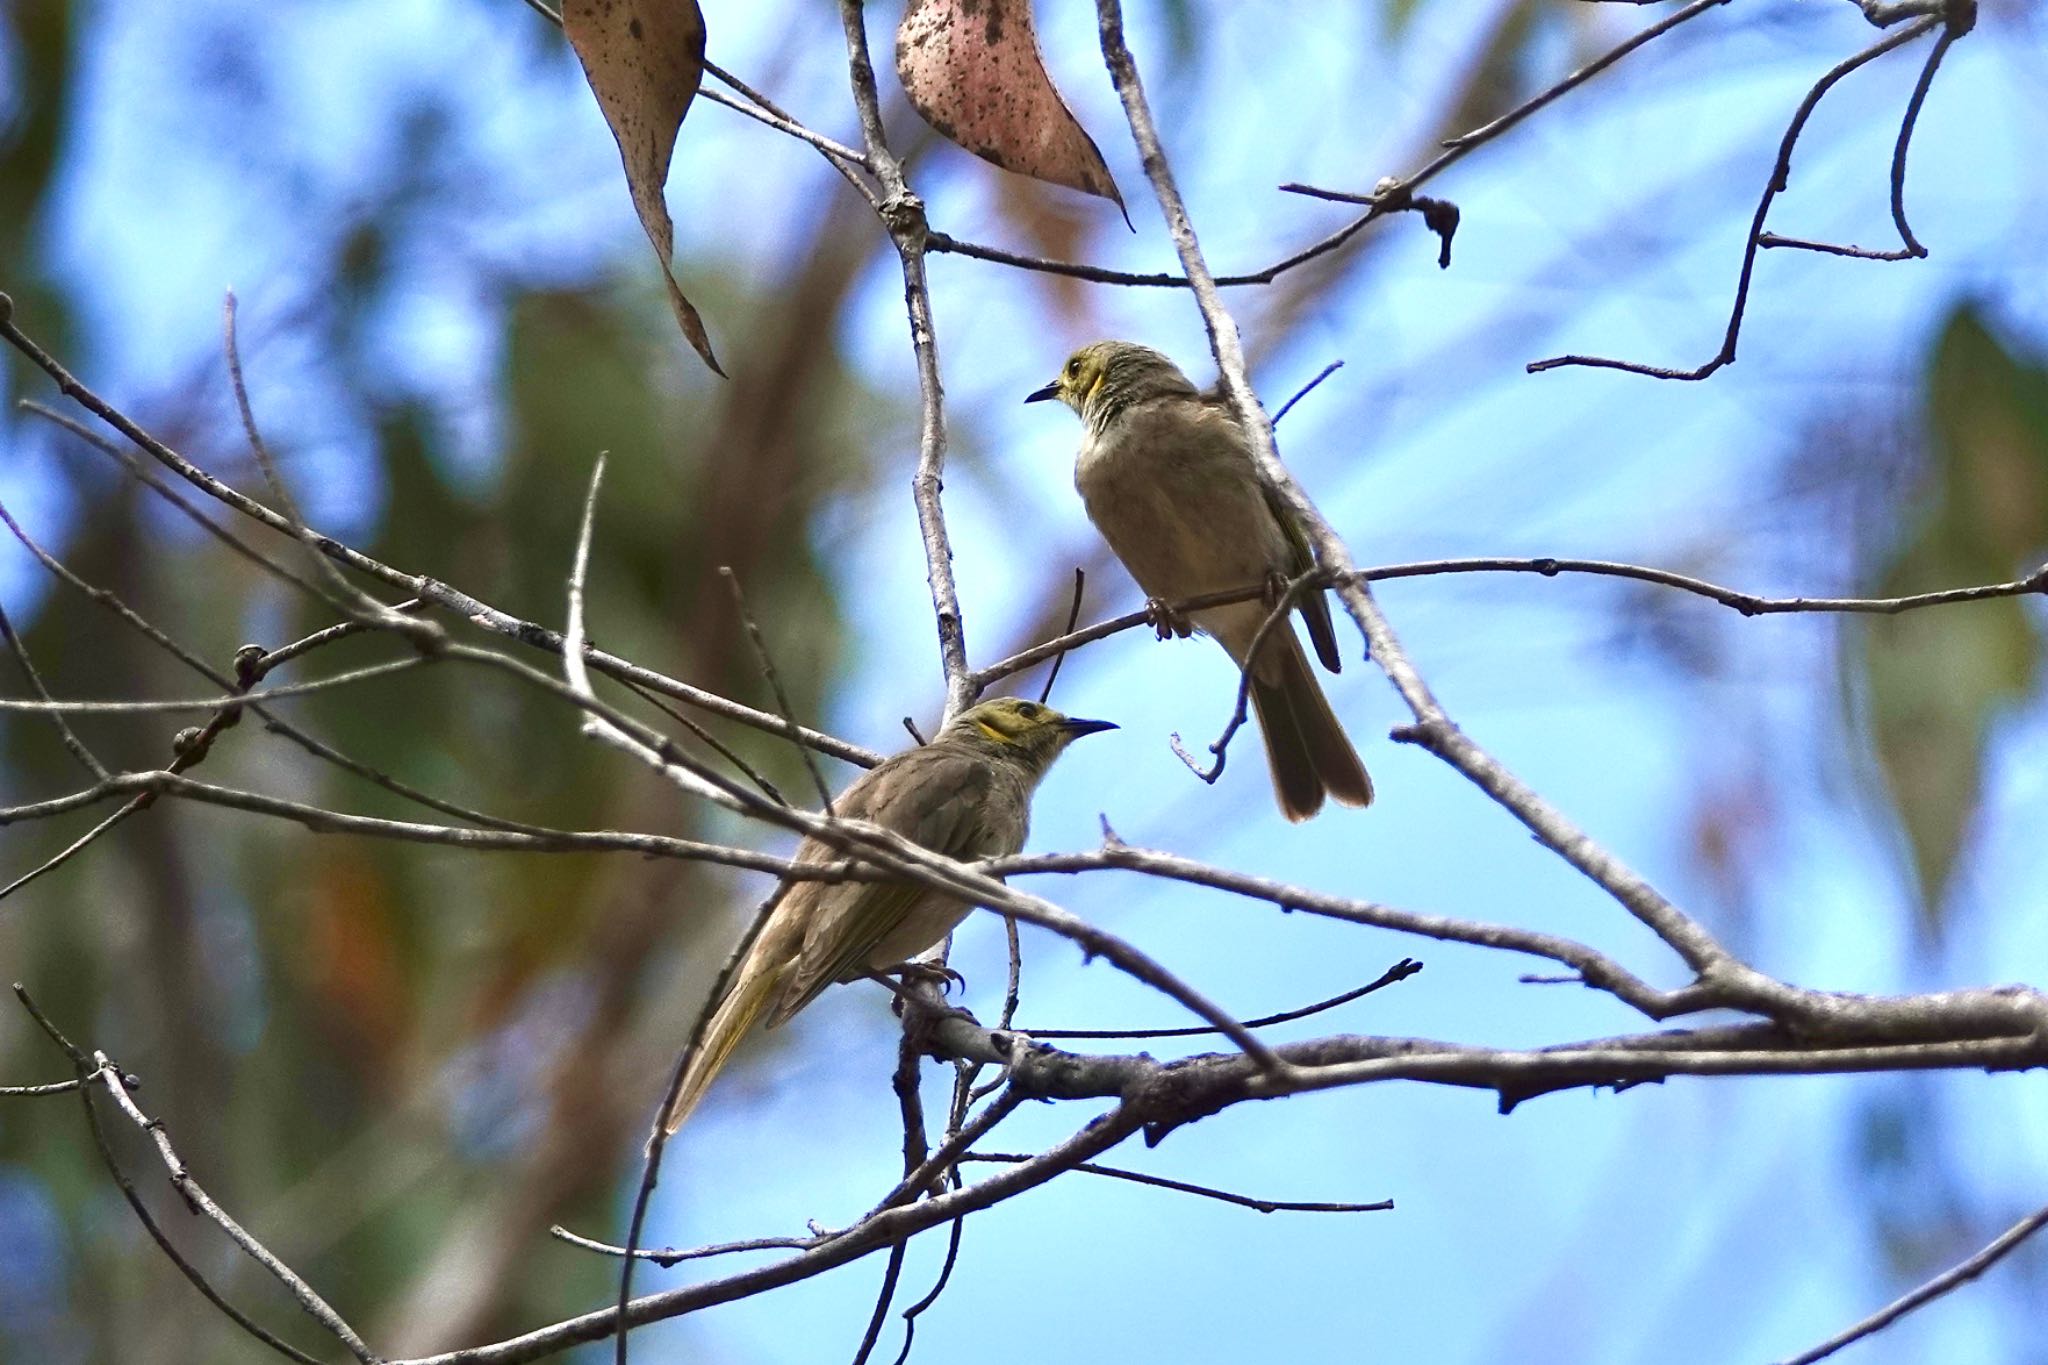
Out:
{"x": 972, "y": 68}
{"x": 644, "y": 60}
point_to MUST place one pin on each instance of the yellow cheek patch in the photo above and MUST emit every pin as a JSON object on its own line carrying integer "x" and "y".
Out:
{"x": 1096, "y": 386}
{"x": 997, "y": 735}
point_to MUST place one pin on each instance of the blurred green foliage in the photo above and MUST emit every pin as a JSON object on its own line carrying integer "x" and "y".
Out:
{"x": 1936, "y": 682}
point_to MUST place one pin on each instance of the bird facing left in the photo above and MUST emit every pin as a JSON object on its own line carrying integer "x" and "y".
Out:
{"x": 967, "y": 795}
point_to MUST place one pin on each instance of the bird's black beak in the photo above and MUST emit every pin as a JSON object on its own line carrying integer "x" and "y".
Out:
{"x": 1051, "y": 390}
{"x": 1076, "y": 728}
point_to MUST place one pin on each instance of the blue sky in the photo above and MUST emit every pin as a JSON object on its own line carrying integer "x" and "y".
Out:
{"x": 1687, "y": 1222}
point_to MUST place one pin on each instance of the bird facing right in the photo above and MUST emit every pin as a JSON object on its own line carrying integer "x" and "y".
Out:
{"x": 1167, "y": 475}
{"x": 967, "y": 795}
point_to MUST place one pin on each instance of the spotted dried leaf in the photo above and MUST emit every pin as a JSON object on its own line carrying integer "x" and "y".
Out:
{"x": 973, "y": 69}
{"x": 644, "y": 60}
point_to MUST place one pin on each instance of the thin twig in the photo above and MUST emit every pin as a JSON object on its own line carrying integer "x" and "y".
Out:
{"x": 65, "y": 734}
{"x": 536, "y": 839}
{"x": 16, "y": 1092}
{"x": 1394, "y": 194}
{"x": 717, "y": 745}
{"x": 1243, "y": 1201}
{"x": 168, "y": 706}
{"x": 1909, "y": 248}
{"x": 1014, "y": 982}
{"x": 1780, "y": 179}
{"x": 1400, "y": 971}
{"x": 343, "y": 595}
{"x": 1941, "y": 1284}
{"x": 1276, "y": 619}
{"x": 884, "y": 1296}
{"x": 916, "y": 1147}
{"x": 1073, "y": 615}
{"x": 886, "y": 1229}
{"x": 1544, "y": 566}
{"x": 911, "y": 1314}
{"x": 1600, "y": 971}
{"x": 472, "y": 609}
{"x": 1305, "y": 390}
{"x": 316, "y": 1307}
{"x": 768, "y": 671}
{"x": 668, "y": 1256}
{"x": 1962, "y": 15}
{"x": 149, "y": 479}
{"x": 87, "y": 1074}
{"x": 116, "y": 1083}
{"x": 779, "y": 118}
{"x": 965, "y": 1092}
{"x": 573, "y": 640}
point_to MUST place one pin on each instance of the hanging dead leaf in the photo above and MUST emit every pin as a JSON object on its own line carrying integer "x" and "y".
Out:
{"x": 973, "y": 69}
{"x": 644, "y": 60}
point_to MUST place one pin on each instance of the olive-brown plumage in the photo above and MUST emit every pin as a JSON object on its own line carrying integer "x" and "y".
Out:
{"x": 967, "y": 794}
{"x": 1167, "y": 476}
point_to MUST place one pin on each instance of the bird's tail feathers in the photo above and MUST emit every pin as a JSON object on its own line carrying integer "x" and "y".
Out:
{"x": 1306, "y": 747}
{"x": 735, "y": 1014}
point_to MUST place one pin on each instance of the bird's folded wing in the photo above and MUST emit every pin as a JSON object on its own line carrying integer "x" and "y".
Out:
{"x": 1315, "y": 603}
{"x": 943, "y": 805}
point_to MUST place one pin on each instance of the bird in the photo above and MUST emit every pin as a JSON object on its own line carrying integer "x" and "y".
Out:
{"x": 1167, "y": 475}
{"x": 967, "y": 795}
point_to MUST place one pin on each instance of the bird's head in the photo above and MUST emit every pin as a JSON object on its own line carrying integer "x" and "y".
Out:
{"x": 1104, "y": 377}
{"x": 1022, "y": 731}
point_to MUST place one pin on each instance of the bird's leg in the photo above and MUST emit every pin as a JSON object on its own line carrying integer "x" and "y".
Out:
{"x": 1166, "y": 621}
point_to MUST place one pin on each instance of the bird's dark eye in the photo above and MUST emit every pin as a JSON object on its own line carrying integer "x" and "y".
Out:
{"x": 1029, "y": 710}
{"x": 1073, "y": 367}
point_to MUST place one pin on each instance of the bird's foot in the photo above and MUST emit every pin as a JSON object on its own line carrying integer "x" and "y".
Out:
{"x": 1166, "y": 621}
{"x": 932, "y": 973}
{"x": 1275, "y": 588}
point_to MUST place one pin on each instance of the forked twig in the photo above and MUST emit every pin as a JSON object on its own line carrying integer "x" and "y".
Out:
{"x": 1780, "y": 179}
{"x": 1276, "y": 619}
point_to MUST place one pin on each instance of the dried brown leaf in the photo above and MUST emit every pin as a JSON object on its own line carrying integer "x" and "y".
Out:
{"x": 644, "y": 60}
{"x": 972, "y": 68}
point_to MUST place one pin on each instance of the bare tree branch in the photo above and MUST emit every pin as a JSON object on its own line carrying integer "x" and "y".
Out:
{"x": 1544, "y": 566}
{"x": 903, "y": 215}
{"x": 99, "y": 1069}
{"x": 476, "y": 612}
{"x": 1433, "y": 727}
{"x": 1780, "y": 179}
